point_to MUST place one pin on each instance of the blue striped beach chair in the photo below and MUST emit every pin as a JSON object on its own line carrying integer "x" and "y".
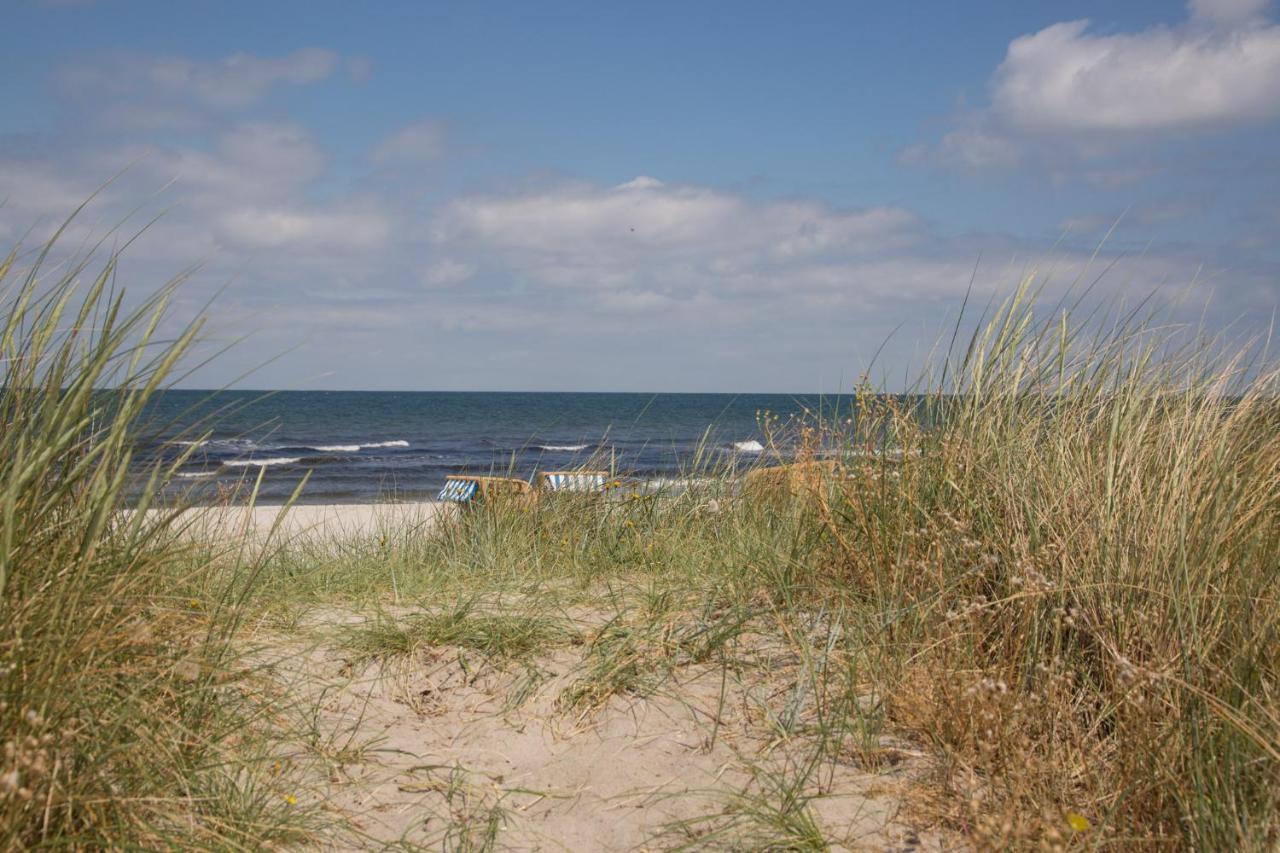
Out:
{"x": 459, "y": 490}
{"x": 572, "y": 481}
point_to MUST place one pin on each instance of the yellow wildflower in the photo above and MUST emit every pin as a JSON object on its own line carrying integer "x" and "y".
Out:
{"x": 1078, "y": 822}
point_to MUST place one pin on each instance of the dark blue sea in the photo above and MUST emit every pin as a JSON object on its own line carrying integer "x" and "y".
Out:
{"x": 360, "y": 446}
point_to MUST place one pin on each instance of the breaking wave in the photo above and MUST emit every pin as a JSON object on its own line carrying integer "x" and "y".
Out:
{"x": 274, "y": 460}
{"x": 563, "y": 448}
{"x": 751, "y": 446}
{"x": 355, "y": 448}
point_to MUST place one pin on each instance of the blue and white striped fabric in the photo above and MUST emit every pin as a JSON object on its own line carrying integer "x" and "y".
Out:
{"x": 574, "y": 482}
{"x": 457, "y": 490}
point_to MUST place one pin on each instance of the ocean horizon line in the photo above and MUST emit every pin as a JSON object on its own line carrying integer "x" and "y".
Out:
{"x": 848, "y": 393}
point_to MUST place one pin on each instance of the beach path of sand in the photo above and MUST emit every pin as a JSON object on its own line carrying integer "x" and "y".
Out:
{"x": 442, "y": 750}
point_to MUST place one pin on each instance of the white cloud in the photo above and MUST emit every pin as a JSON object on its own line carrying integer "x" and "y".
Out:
{"x": 682, "y": 258}
{"x": 232, "y": 82}
{"x": 971, "y": 147}
{"x": 644, "y": 218}
{"x": 1153, "y": 213}
{"x": 447, "y": 273}
{"x": 1067, "y": 92}
{"x": 416, "y": 143}
{"x": 281, "y": 154}
{"x": 246, "y": 198}
{"x": 1227, "y": 11}
{"x": 255, "y": 161}
{"x": 278, "y": 228}
{"x": 1065, "y": 78}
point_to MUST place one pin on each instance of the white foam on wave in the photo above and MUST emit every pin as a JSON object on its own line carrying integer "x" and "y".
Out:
{"x": 355, "y": 448}
{"x": 237, "y": 444}
{"x": 563, "y": 448}
{"x": 197, "y": 475}
{"x": 274, "y": 460}
{"x": 750, "y": 446}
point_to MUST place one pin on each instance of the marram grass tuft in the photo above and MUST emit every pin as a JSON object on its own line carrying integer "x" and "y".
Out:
{"x": 120, "y": 724}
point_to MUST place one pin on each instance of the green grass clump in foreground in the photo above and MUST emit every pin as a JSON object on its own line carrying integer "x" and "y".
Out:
{"x": 498, "y": 636}
{"x": 119, "y": 719}
{"x": 1061, "y": 571}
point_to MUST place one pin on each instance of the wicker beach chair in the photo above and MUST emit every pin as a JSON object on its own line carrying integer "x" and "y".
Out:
{"x": 571, "y": 481}
{"x": 468, "y": 491}
{"x": 798, "y": 478}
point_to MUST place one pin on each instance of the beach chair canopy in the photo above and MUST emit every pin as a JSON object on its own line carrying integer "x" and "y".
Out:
{"x": 458, "y": 490}
{"x": 573, "y": 481}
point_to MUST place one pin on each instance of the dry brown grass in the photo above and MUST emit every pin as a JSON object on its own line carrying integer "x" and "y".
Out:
{"x": 1082, "y": 564}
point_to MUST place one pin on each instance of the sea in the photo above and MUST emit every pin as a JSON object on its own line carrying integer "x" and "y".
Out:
{"x": 361, "y": 446}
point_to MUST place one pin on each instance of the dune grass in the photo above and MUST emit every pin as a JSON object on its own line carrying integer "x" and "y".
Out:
{"x": 497, "y": 636}
{"x": 120, "y": 714}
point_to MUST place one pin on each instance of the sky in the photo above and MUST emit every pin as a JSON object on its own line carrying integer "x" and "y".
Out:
{"x": 655, "y": 196}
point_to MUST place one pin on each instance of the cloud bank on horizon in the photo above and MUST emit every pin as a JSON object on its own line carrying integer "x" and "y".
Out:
{"x": 391, "y": 230}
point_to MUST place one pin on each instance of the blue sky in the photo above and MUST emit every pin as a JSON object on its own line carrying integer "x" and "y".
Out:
{"x": 658, "y": 196}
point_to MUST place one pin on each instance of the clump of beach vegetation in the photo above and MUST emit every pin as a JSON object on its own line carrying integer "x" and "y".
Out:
{"x": 121, "y": 720}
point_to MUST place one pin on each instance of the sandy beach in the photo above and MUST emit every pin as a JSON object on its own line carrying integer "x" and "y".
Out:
{"x": 328, "y": 520}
